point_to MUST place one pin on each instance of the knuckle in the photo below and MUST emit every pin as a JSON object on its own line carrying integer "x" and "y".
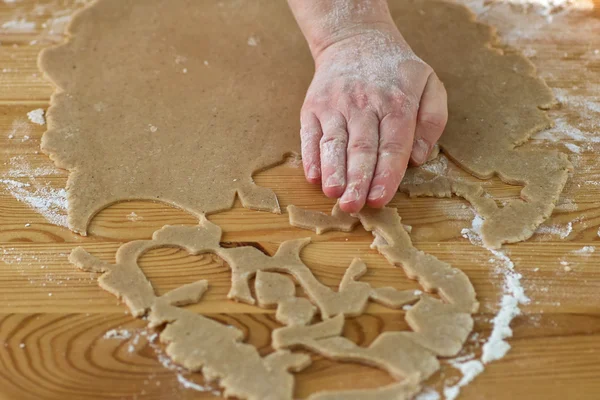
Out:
{"x": 335, "y": 137}
{"x": 435, "y": 121}
{"x": 364, "y": 145}
{"x": 394, "y": 148}
{"x": 403, "y": 103}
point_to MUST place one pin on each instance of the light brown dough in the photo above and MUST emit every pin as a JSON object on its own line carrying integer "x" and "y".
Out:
{"x": 392, "y": 240}
{"x": 201, "y": 344}
{"x": 198, "y": 343}
{"x": 321, "y": 222}
{"x": 277, "y": 289}
{"x": 169, "y": 102}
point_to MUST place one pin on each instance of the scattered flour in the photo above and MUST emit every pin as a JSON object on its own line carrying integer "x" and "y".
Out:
{"x": 562, "y": 231}
{"x": 21, "y": 182}
{"x": 548, "y": 8}
{"x": 428, "y": 394}
{"x": 134, "y": 217}
{"x": 469, "y": 370}
{"x": 253, "y": 41}
{"x": 37, "y": 116}
{"x": 573, "y": 147}
{"x": 495, "y": 346}
{"x": 585, "y": 251}
{"x": 19, "y": 128}
{"x": 19, "y": 26}
{"x": 191, "y": 385}
{"x": 120, "y": 334}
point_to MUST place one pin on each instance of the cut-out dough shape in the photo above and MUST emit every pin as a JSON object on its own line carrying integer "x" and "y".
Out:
{"x": 351, "y": 298}
{"x": 201, "y": 344}
{"x": 392, "y": 240}
{"x": 320, "y": 222}
{"x": 276, "y": 289}
{"x": 142, "y": 111}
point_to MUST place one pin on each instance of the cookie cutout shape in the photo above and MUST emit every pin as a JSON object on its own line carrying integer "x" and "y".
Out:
{"x": 143, "y": 111}
{"x": 201, "y": 344}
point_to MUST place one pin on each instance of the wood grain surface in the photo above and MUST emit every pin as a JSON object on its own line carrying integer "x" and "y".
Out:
{"x": 53, "y": 318}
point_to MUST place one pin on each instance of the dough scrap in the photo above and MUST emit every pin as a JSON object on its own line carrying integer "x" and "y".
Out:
{"x": 321, "y": 222}
{"x": 227, "y": 110}
{"x": 277, "y": 289}
{"x": 200, "y": 344}
{"x": 392, "y": 240}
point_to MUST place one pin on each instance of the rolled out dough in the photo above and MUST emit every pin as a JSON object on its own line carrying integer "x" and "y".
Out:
{"x": 168, "y": 101}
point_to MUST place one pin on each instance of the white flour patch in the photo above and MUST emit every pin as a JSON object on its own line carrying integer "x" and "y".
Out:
{"x": 585, "y": 251}
{"x": 469, "y": 371}
{"x": 253, "y": 41}
{"x": 549, "y": 7}
{"x": 573, "y": 147}
{"x": 496, "y": 345}
{"x": 428, "y": 394}
{"x": 191, "y": 385}
{"x": 120, "y": 334}
{"x": 37, "y": 116}
{"x": 19, "y": 26}
{"x": 134, "y": 217}
{"x": 561, "y": 231}
{"x": 22, "y": 182}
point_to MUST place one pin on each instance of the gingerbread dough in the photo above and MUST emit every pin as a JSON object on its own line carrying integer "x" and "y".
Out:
{"x": 438, "y": 328}
{"x": 182, "y": 103}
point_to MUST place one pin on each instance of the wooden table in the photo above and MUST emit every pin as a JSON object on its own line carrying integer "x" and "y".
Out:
{"x": 53, "y": 318}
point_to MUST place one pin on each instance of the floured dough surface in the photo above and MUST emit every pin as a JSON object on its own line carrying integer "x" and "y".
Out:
{"x": 182, "y": 102}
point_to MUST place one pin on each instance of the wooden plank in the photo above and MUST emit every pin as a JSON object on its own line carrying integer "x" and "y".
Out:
{"x": 556, "y": 339}
{"x": 38, "y": 277}
{"x": 65, "y": 356}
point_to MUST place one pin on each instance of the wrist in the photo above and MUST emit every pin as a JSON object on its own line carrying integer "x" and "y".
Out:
{"x": 351, "y": 32}
{"x": 326, "y": 22}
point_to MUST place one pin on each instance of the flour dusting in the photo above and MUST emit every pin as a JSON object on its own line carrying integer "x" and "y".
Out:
{"x": 22, "y": 182}
{"x": 37, "y": 116}
{"x": 120, "y": 334}
{"x": 133, "y": 217}
{"x": 469, "y": 370}
{"x": 428, "y": 394}
{"x": 19, "y": 26}
{"x": 561, "y": 231}
{"x": 496, "y": 345}
{"x": 585, "y": 251}
{"x": 548, "y": 8}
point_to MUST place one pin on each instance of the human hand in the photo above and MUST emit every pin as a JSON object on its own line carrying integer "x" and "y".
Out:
{"x": 372, "y": 107}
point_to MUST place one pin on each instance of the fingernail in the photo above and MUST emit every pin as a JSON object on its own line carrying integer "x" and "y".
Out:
{"x": 334, "y": 180}
{"x": 350, "y": 195}
{"x": 376, "y": 192}
{"x": 420, "y": 151}
{"x": 314, "y": 172}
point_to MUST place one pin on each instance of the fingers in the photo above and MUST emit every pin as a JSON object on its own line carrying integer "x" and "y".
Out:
{"x": 395, "y": 144}
{"x": 310, "y": 136}
{"x": 333, "y": 153}
{"x": 431, "y": 119}
{"x": 362, "y": 157}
